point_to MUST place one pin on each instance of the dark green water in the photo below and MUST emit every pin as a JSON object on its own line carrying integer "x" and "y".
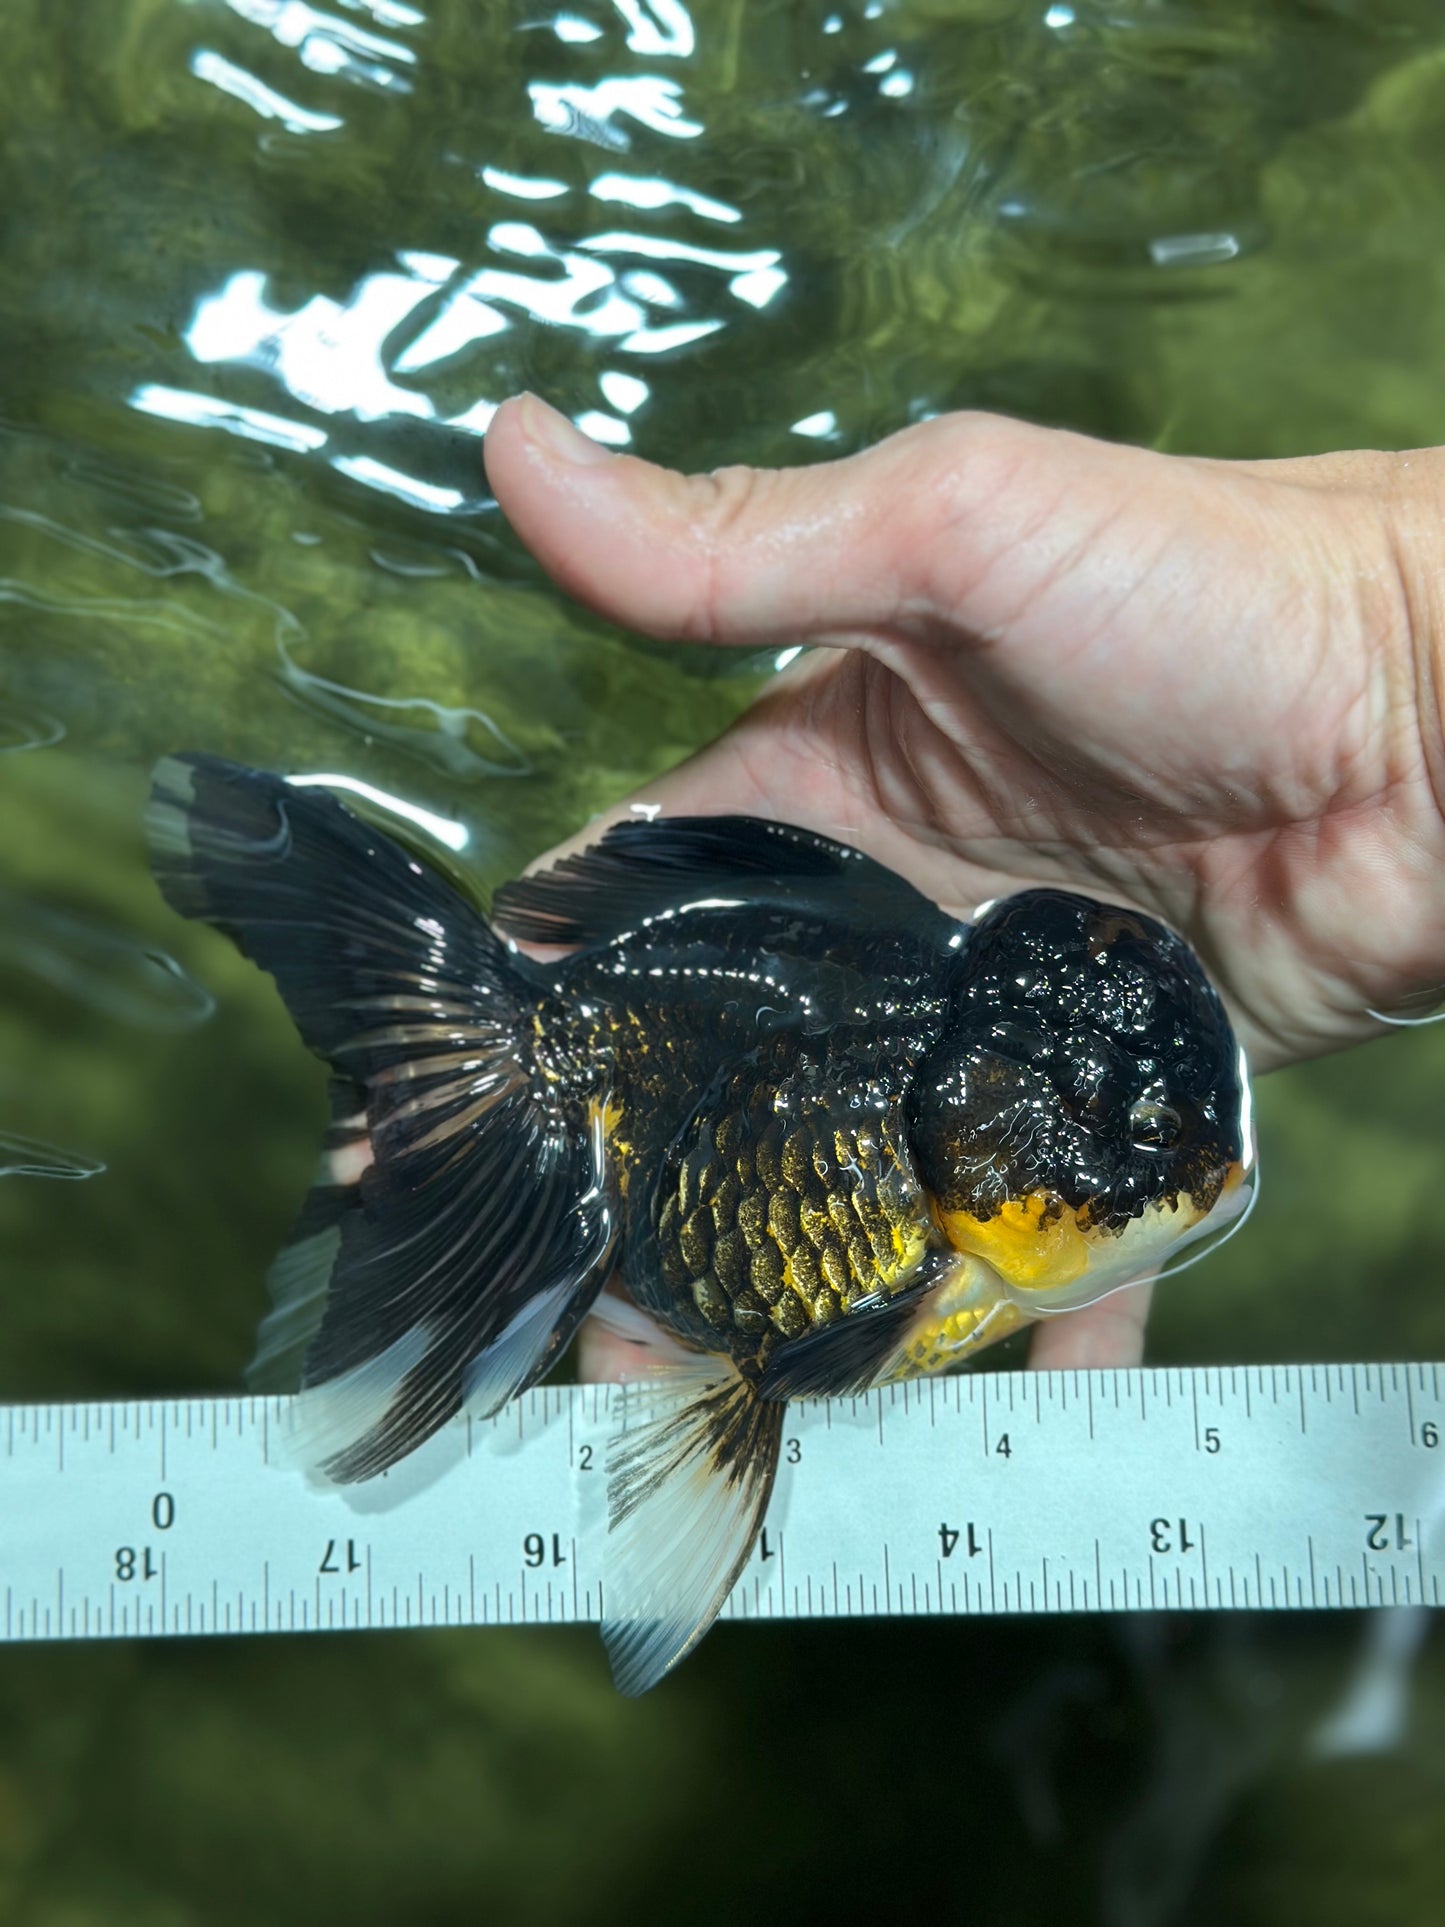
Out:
{"x": 264, "y": 271}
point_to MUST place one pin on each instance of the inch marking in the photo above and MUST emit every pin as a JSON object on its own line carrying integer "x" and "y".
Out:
{"x": 1115, "y": 1484}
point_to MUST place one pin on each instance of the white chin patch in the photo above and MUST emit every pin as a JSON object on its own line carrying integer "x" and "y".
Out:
{"x": 1162, "y": 1239}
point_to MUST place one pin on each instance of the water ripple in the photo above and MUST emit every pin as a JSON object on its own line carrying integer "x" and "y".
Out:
{"x": 460, "y": 743}
{"x": 28, "y": 1157}
{"x": 100, "y": 964}
{"x": 22, "y": 729}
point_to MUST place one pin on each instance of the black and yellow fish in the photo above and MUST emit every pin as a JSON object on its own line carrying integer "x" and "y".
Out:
{"x": 823, "y": 1133}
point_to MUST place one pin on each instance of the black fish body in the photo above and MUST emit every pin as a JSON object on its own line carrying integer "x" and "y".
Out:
{"x": 754, "y": 1119}
{"x": 824, "y": 1134}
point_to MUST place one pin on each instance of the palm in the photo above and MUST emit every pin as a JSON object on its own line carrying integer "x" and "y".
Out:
{"x": 1186, "y": 685}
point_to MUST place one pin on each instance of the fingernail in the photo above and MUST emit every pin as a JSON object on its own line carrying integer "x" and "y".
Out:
{"x": 557, "y": 435}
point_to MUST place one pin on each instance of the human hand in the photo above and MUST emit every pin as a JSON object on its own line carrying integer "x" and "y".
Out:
{"x": 1211, "y": 690}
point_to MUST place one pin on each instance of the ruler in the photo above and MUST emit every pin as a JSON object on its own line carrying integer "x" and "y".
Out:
{"x": 1282, "y": 1487}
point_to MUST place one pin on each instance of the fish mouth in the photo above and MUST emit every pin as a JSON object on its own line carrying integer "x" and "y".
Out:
{"x": 1033, "y": 1260}
{"x": 1048, "y": 1257}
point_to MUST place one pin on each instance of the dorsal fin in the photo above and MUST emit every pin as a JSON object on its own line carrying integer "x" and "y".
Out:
{"x": 640, "y": 871}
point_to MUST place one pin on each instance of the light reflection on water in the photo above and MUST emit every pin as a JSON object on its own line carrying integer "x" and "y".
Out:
{"x": 28, "y": 1157}
{"x": 100, "y": 964}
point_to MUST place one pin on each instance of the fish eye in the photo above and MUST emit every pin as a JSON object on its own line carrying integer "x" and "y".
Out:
{"x": 1153, "y": 1126}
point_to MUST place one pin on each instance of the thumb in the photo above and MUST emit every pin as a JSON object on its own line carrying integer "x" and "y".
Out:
{"x": 905, "y": 533}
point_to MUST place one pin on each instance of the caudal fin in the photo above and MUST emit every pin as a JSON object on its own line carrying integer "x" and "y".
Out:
{"x": 461, "y": 1221}
{"x": 687, "y": 1489}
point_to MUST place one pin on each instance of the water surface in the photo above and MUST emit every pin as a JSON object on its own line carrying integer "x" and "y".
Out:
{"x": 266, "y": 270}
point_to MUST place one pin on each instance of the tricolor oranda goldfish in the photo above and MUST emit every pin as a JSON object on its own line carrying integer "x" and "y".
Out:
{"x": 824, "y": 1134}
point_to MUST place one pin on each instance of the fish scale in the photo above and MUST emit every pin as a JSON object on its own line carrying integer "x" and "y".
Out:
{"x": 777, "y": 1221}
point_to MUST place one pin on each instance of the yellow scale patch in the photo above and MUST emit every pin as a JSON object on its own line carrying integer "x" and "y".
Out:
{"x": 1034, "y": 1250}
{"x": 608, "y": 1111}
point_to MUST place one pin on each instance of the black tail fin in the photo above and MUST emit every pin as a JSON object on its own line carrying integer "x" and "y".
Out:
{"x": 461, "y": 1222}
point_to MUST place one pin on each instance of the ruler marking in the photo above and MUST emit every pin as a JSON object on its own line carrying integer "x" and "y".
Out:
{"x": 70, "y": 1466}
{"x": 1420, "y": 1559}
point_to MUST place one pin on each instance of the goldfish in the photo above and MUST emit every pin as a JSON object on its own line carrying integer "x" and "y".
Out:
{"x": 822, "y": 1133}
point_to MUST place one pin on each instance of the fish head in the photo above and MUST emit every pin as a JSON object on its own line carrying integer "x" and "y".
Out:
{"x": 1084, "y": 1119}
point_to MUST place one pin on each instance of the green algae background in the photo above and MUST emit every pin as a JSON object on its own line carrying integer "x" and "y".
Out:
{"x": 263, "y": 270}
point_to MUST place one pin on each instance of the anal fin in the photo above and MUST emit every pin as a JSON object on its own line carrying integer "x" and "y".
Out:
{"x": 688, "y": 1485}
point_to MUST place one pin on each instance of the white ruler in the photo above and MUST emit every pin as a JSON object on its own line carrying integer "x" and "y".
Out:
{"x": 1283, "y": 1487}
